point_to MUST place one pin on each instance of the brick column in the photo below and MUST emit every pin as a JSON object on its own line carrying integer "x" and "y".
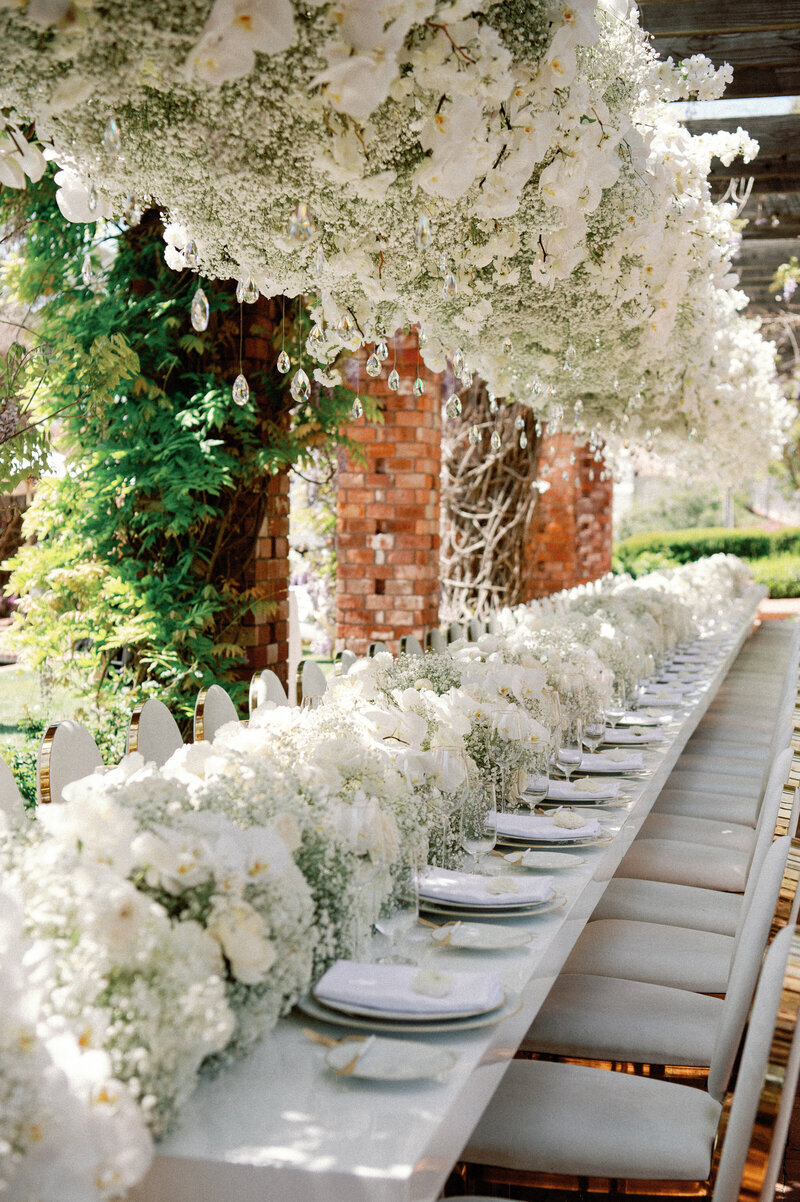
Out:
{"x": 570, "y": 535}
{"x": 387, "y": 518}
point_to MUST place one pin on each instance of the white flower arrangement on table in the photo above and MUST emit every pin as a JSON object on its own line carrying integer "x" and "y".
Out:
{"x": 511, "y": 177}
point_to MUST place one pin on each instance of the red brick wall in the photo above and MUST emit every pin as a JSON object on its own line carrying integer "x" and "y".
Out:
{"x": 388, "y": 513}
{"x": 570, "y": 538}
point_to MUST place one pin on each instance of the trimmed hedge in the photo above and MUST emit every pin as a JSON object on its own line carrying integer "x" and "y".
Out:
{"x": 643, "y": 552}
{"x": 780, "y": 573}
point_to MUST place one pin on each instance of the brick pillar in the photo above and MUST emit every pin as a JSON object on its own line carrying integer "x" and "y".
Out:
{"x": 387, "y": 519}
{"x": 570, "y": 536}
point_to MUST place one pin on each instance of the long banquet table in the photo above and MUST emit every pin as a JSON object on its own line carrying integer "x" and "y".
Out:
{"x": 280, "y": 1125}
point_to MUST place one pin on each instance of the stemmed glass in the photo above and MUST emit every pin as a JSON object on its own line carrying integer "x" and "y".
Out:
{"x": 594, "y": 731}
{"x": 616, "y": 708}
{"x": 399, "y": 912}
{"x": 479, "y": 823}
{"x": 538, "y": 784}
{"x": 569, "y": 749}
{"x": 451, "y": 777}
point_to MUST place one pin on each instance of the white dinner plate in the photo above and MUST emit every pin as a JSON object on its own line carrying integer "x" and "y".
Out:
{"x": 545, "y": 844}
{"x": 375, "y": 1059}
{"x": 402, "y": 1015}
{"x": 521, "y": 909}
{"x": 479, "y": 936}
{"x": 542, "y": 861}
{"x": 314, "y": 1009}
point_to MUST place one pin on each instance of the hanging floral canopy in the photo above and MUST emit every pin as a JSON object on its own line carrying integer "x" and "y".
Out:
{"x": 509, "y": 176}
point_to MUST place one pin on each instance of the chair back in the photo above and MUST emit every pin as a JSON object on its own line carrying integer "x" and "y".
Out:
{"x": 67, "y": 752}
{"x": 772, "y": 804}
{"x": 435, "y": 641}
{"x": 344, "y": 661}
{"x": 749, "y": 1155}
{"x": 311, "y": 683}
{"x": 265, "y": 686}
{"x": 475, "y": 629}
{"x": 376, "y": 648}
{"x": 212, "y": 709}
{"x": 153, "y": 732}
{"x": 10, "y": 796}
{"x": 409, "y": 645}
{"x": 455, "y": 631}
{"x": 745, "y": 966}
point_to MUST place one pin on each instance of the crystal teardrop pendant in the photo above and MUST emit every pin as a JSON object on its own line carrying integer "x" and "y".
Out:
{"x": 132, "y": 212}
{"x": 320, "y": 262}
{"x": 419, "y": 387}
{"x": 453, "y": 406}
{"x": 200, "y": 311}
{"x": 111, "y": 137}
{"x": 475, "y": 435}
{"x": 284, "y": 363}
{"x": 91, "y": 273}
{"x": 394, "y": 379}
{"x": 523, "y": 440}
{"x": 422, "y": 339}
{"x": 344, "y": 327}
{"x": 382, "y": 350}
{"x": 373, "y": 367}
{"x": 506, "y": 346}
{"x": 422, "y": 232}
{"x": 300, "y": 387}
{"x": 301, "y": 224}
{"x": 246, "y": 292}
{"x": 495, "y": 442}
{"x": 92, "y": 199}
{"x": 241, "y": 390}
{"x": 519, "y": 422}
{"x": 190, "y": 253}
{"x": 570, "y": 354}
{"x": 357, "y": 410}
{"x": 458, "y": 361}
{"x": 450, "y": 286}
{"x": 493, "y": 405}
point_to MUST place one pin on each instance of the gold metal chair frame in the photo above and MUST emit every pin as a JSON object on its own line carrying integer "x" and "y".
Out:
{"x": 133, "y": 728}
{"x": 199, "y": 711}
{"x": 477, "y": 1177}
{"x": 45, "y": 795}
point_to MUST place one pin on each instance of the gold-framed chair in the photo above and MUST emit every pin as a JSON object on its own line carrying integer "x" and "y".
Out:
{"x": 153, "y": 732}
{"x": 212, "y": 709}
{"x": 311, "y": 684}
{"x": 67, "y": 753}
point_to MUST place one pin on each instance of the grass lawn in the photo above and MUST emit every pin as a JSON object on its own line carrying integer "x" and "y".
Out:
{"x": 20, "y": 688}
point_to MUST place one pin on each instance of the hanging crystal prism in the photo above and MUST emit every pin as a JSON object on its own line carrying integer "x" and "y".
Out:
{"x": 358, "y": 409}
{"x": 344, "y": 327}
{"x": 131, "y": 212}
{"x": 301, "y": 224}
{"x": 382, "y": 350}
{"x": 316, "y": 340}
{"x": 419, "y": 387}
{"x": 458, "y": 361}
{"x": 495, "y": 442}
{"x": 453, "y": 406}
{"x": 241, "y": 390}
{"x": 506, "y": 346}
{"x": 570, "y": 354}
{"x": 373, "y": 367}
{"x": 284, "y": 363}
{"x": 200, "y": 311}
{"x": 493, "y": 403}
{"x": 190, "y": 253}
{"x": 475, "y": 435}
{"x": 394, "y": 379}
{"x": 523, "y": 440}
{"x": 320, "y": 262}
{"x": 92, "y": 273}
{"x": 92, "y": 199}
{"x": 246, "y": 292}
{"x": 450, "y": 286}
{"x": 422, "y": 339}
{"x": 300, "y": 386}
{"x": 422, "y": 233}
{"x": 111, "y": 137}
{"x": 519, "y": 422}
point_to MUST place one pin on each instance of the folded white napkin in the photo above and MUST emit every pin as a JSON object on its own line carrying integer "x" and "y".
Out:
{"x": 612, "y": 761}
{"x": 670, "y": 686}
{"x": 405, "y": 988}
{"x": 582, "y": 790}
{"x": 532, "y": 826}
{"x": 632, "y": 737}
{"x": 662, "y": 697}
{"x": 643, "y": 718}
{"x": 442, "y": 884}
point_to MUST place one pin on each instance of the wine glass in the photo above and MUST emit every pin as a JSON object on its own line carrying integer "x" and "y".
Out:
{"x": 569, "y": 749}
{"x": 616, "y": 708}
{"x": 538, "y": 783}
{"x": 451, "y": 777}
{"x": 594, "y": 731}
{"x": 479, "y": 822}
{"x": 399, "y": 913}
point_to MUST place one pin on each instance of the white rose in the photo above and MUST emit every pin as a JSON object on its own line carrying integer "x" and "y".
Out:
{"x": 242, "y": 935}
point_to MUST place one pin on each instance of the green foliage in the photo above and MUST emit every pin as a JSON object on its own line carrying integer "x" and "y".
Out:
{"x": 684, "y": 546}
{"x": 145, "y": 541}
{"x": 779, "y": 572}
{"x": 678, "y": 509}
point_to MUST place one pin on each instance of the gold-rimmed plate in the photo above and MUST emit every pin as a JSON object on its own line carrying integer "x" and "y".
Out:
{"x": 314, "y": 1009}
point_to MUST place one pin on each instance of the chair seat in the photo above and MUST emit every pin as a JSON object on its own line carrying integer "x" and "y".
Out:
{"x": 742, "y": 809}
{"x": 675, "y": 905}
{"x": 709, "y": 780}
{"x": 609, "y": 1018}
{"x": 561, "y": 1118}
{"x": 687, "y": 863}
{"x": 709, "y": 831}
{"x": 656, "y": 952}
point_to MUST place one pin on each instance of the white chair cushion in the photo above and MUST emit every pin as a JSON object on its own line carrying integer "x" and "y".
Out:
{"x": 609, "y": 1018}
{"x": 654, "y": 952}
{"x": 157, "y": 735}
{"x": 709, "y": 781}
{"x": 686, "y": 863}
{"x": 702, "y": 830}
{"x": 562, "y": 1118}
{"x": 675, "y": 905}
{"x": 742, "y": 809}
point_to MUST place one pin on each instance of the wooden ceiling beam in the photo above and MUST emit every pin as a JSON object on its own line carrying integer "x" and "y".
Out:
{"x": 714, "y": 16}
{"x": 758, "y": 49}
